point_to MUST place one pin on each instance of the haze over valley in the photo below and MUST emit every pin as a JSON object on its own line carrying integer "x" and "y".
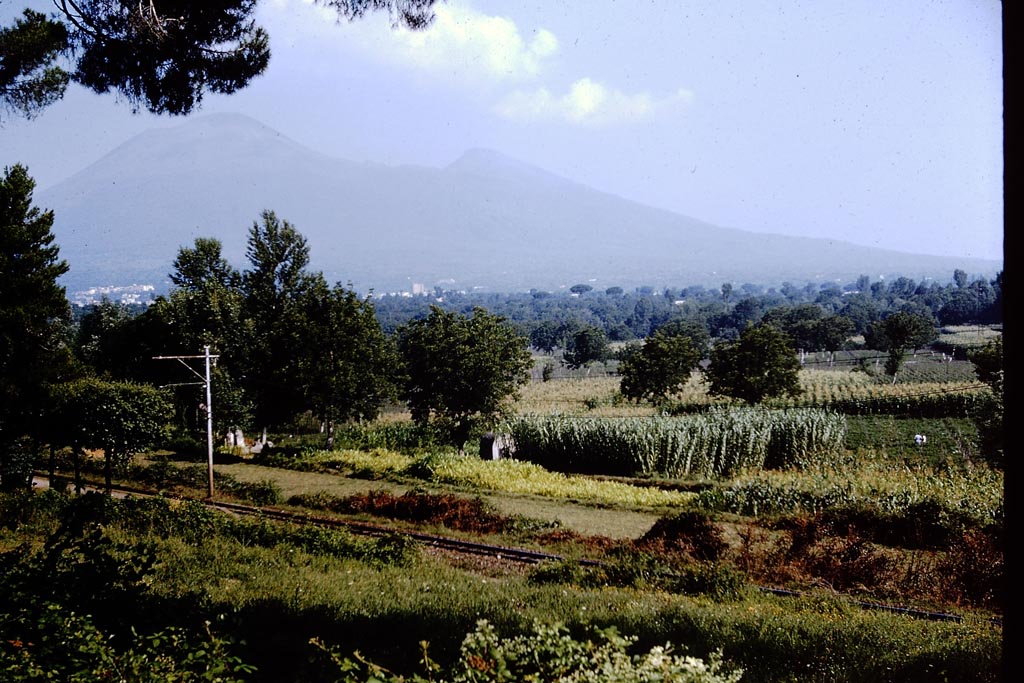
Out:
{"x": 483, "y": 221}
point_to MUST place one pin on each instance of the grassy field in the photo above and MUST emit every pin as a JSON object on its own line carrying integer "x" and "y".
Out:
{"x": 884, "y": 520}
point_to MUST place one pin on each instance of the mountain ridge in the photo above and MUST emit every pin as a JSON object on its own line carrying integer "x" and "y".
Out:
{"x": 485, "y": 220}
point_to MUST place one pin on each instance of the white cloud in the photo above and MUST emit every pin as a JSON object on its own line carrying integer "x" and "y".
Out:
{"x": 466, "y": 48}
{"x": 467, "y": 45}
{"x": 589, "y": 103}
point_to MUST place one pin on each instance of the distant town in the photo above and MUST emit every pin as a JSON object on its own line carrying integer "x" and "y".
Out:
{"x": 144, "y": 295}
{"x": 128, "y": 294}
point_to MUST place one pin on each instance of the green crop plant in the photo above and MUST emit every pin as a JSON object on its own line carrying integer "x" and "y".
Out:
{"x": 713, "y": 444}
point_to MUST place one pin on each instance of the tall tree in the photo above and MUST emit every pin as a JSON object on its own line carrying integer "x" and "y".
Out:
{"x": 989, "y": 417}
{"x": 589, "y": 345}
{"x": 580, "y": 289}
{"x": 102, "y": 342}
{"x": 659, "y": 368}
{"x": 203, "y": 309}
{"x": 832, "y": 333}
{"x": 159, "y": 55}
{"x": 274, "y": 288}
{"x": 545, "y": 336}
{"x": 201, "y": 266}
{"x": 760, "y": 364}
{"x": 32, "y": 305}
{"x": 205, "y": 306}
{"x": 461, "y": 371}
{"x": 800, "y": 323}
{"x": 960, "y": 278}
{"x": 898, "y": 333}
{"x": 347, "y": 365}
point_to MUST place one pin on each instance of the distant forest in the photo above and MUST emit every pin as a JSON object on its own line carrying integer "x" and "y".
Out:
{"x": 723, "y": 312}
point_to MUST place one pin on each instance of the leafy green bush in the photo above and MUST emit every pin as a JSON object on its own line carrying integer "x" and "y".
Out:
{"x": 163, "y": 474}
{"x": 49, "y": 643}
{"x": 551, "y": 654}
{"x": 265, "y": 492}
{"x": 922, "y": 524}
{"x": 446, "y": 509}
{"x": 712, "y": 579}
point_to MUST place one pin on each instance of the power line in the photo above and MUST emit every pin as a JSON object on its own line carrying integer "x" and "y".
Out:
{"x": 207, "y": 357}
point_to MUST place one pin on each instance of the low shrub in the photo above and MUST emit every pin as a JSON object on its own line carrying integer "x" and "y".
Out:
{"x": 549, "y": 652}
{"x": 975, "y": 570}
{"x": 692, "y": 532}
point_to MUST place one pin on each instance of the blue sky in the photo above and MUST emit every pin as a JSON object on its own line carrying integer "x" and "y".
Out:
{"x": 878, "y": 123}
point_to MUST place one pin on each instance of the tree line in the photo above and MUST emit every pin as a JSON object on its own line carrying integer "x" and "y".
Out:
{"x": 724, "y": 311}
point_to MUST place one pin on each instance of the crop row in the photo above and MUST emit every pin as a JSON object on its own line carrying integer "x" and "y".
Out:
{"x": 712, "y": 444}
{"x": 462, "y": 471}
{"x": 975, "y": 494}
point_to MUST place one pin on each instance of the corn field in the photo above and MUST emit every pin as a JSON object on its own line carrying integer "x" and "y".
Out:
{"x": 709, "y": 445}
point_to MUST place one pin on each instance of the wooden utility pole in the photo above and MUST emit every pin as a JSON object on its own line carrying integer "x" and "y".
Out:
{"x": 209, "y": 404}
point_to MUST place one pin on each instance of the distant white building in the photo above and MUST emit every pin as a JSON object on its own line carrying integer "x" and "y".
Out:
{"x": 127, "y": 294}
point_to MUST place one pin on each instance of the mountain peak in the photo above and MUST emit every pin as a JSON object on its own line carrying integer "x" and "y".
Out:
{"x": 491, "y": 163}
{"x": 220, "y": 127}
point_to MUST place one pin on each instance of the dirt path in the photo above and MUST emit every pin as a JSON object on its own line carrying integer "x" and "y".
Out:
{"x": 583, "y": 519}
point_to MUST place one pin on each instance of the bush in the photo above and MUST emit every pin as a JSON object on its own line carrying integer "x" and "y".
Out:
{"x": 550, "y": 653}
{"x": 693, "y": 533}
{"x": 976, "y": 570}
{"x": 264, "y": 492}
{"x": 924, "y": 524}
{"x": 714, "y": 580}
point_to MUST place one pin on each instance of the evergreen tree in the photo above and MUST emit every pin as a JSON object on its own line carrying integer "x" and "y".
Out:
{"x": 32, "y": 306}
{"x": 29, "y": 78}
{"x": 161, "y": 56}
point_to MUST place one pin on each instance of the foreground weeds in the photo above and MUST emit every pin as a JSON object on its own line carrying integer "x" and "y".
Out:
{"x": 267, "y": 591}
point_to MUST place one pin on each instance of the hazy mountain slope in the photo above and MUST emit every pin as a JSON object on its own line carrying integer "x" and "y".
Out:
{"x": 485, "y": 220}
